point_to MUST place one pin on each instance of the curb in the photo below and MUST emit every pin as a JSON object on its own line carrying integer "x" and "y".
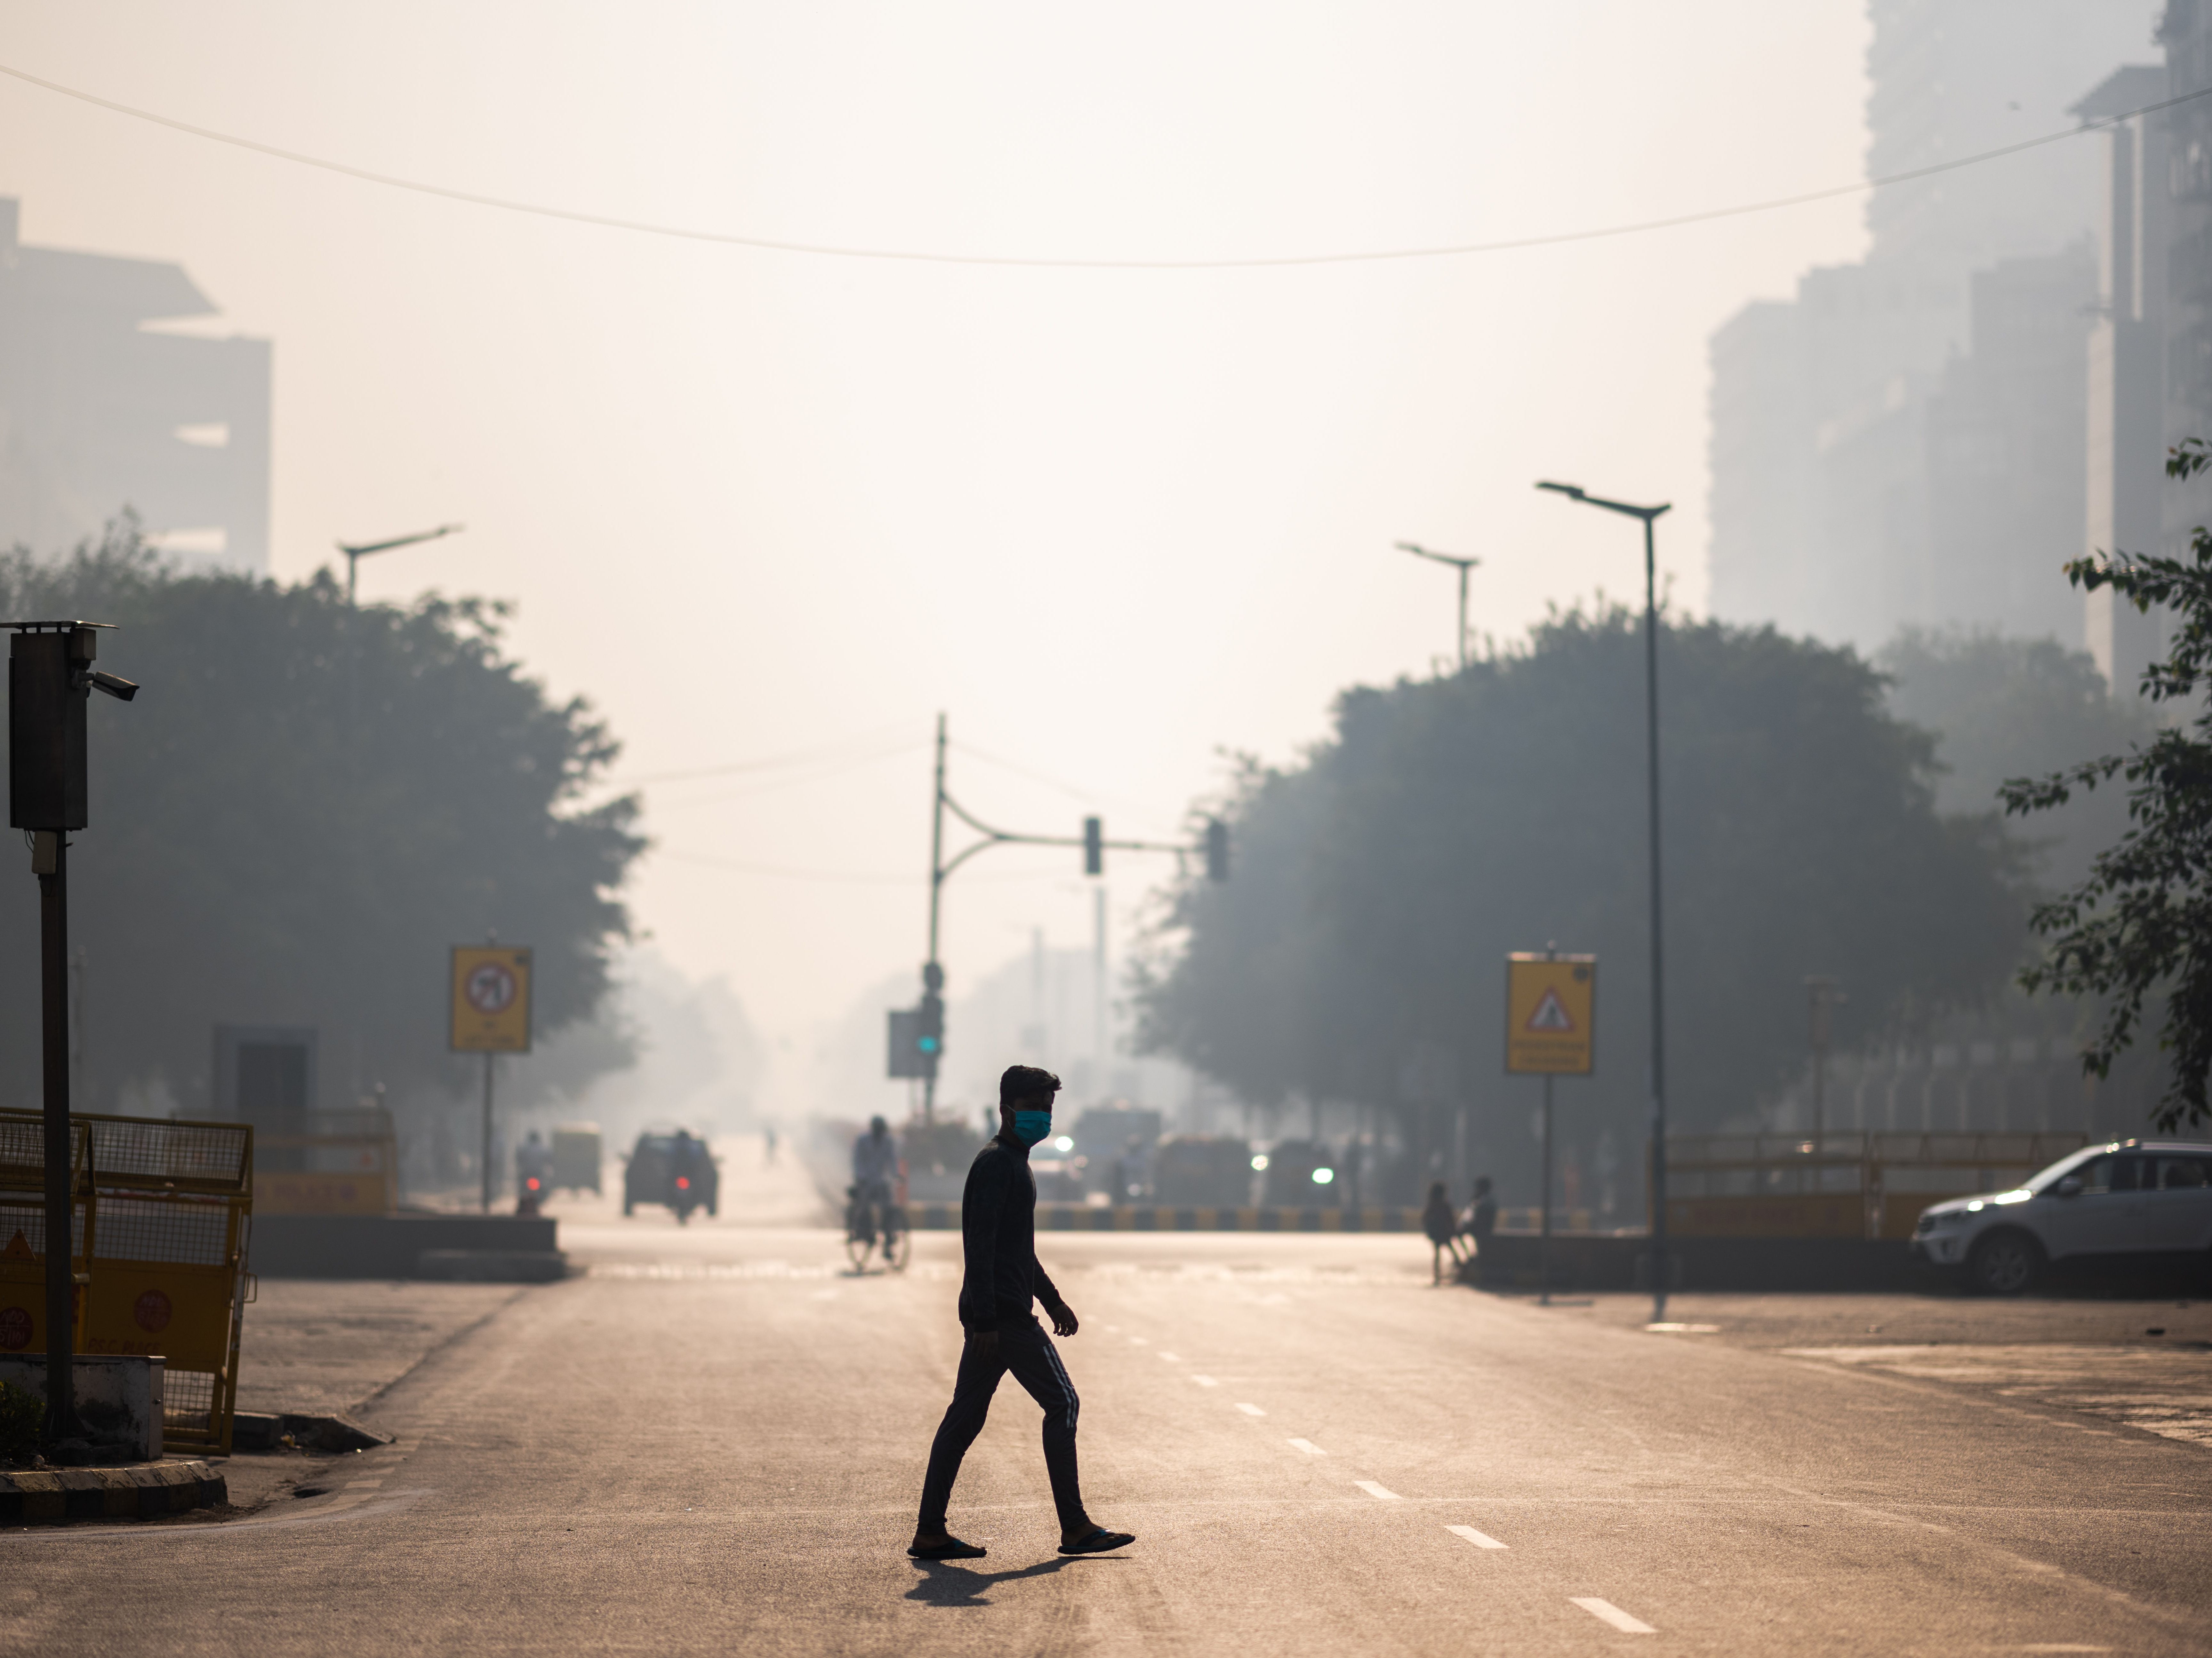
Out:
{"x": 48, "y": 1496}
{"x": 1148, "y": 1217}
{"x": 492, "y": 1266}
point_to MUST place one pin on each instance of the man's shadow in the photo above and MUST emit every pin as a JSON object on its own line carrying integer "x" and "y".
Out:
{"x": 949, "y": 1583}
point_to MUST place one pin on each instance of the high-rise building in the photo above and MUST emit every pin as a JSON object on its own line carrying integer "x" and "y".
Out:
{"x": 99, "y": 412}
{"x": 2186, "y": 33}
{"x": 2124, "y": 470}
{"x": 1901, "y": 442}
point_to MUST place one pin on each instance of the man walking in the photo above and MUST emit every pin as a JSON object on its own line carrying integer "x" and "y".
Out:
{"x": 997, "y": 1236}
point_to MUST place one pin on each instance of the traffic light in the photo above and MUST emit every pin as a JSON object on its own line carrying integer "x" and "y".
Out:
{"x": 1216, "y": 850}
{"x": 929, "y": 1034}
{"x": 1094, "y": 846}
{"x": 906, "y": 1058}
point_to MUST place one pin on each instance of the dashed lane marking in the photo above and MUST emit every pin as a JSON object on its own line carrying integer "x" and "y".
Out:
{"x": 1172, "y": 1358}
{"x": 1138, "y": 1341}
{"x": 1251, "y": 1410}
{"x": 1609, "y": 1613}
{"x": 1206, "y": 1381}
{"x": 1380, "y": 1493}
{"x": 1308, "y": 1447}
{"x": 1481, "y": 1539}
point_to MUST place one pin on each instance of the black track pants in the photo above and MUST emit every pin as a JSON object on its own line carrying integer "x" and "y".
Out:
{"x": 1027, "y": 1351}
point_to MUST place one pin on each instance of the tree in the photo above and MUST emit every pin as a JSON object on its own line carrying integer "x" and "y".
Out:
{"x": 305, "y": 807}
{"x": 1380, "y": 882}
{"x": 2142, "y": 920}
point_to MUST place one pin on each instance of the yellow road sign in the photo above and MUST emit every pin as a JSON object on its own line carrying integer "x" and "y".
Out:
{"x": 491, "y": 999}
{"x": 1551, "y": 1014}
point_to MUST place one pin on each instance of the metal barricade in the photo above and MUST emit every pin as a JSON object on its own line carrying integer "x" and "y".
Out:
{"x": 347, "y": 1163}
{"x": 169, "y": 1263}
{"x": 1841, "y": 1186}
{"x": 23, "y": 1229}
{"x": 1908, "y": 1172}
{"x": 163, "y": 1221}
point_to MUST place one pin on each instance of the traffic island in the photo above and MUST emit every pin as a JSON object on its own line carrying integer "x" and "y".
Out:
{"x": 477, "y": 1249}
{"x": 148, "y": 1491}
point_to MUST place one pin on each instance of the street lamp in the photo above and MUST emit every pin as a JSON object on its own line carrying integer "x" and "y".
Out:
{"x": 1650, "y": 515}
{"x": 1464, "y": 565}
{"x": 355, "y": 555}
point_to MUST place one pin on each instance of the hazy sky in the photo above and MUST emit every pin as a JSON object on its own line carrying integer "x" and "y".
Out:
{"x": 759, "y": 505}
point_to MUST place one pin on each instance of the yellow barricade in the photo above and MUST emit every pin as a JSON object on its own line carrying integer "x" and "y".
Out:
{"x": 23, "y": 1229}
{"x": 159, "y": 1244}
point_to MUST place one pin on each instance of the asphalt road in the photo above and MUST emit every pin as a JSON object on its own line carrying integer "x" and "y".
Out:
{"x": 713, "y": 1441}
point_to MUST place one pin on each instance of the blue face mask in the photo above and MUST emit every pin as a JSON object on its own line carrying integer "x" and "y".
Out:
{"x": 1030, "y": 1126}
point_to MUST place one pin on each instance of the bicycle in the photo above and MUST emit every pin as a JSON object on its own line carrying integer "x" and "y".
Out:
{"x": 873, "y": 1224}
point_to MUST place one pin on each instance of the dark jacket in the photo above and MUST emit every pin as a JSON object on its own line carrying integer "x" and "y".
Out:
{"x": 1439, "y": 1220}
{"x": 998, "y": 1236}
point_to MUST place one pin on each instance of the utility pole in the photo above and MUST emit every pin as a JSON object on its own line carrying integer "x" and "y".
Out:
{"x": 1650, "y": 516}
{"x": 1099, "y": 1025}
{"x": 924, "y": 1027}
{"x": 355, "y": 552}
{"x": 49, "y": 679}
{"x": 1463, "y": 565}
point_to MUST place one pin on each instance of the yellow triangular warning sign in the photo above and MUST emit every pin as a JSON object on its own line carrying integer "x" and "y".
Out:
{"x": 1551, "y": 1014}
{"x": 19, "y": 1248}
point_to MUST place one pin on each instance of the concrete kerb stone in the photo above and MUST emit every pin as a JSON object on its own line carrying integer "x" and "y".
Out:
{"x": 492, "y": 1266}
{"x": 144, "y": 1491}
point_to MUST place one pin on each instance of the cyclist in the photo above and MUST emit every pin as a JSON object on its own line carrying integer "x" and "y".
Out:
{"x": 875, "y": 1166}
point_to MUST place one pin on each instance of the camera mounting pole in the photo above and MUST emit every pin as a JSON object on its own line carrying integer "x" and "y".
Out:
{"x": 49, "y": 679}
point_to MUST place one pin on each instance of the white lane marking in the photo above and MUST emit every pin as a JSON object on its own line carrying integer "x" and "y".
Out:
{"x": 1481, "y": 1539}
{"x": 1672, "y": 1329}
{"x": 1206, "y": 1381}
{"x": 1380, "y": 1493}
{"x": 1112, "y": 1329}
{"x": 1172, "y": 1358}
{"x": 1612, "y": 1614}
{"x": 1308, "y": 1447}
{"x": 1138, "y": 1341}
{"x": 364, "y": 1484}
{"x": 1251, "y": 1410}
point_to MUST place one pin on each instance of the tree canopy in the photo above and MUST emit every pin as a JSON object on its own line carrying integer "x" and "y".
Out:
{"x": 305, "y": 807}
{"x": 2139, "y": 924}
{"x": 1379, "y": 883}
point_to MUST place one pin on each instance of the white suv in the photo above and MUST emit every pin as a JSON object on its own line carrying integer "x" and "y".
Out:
{"x": 2130, "y": 1197}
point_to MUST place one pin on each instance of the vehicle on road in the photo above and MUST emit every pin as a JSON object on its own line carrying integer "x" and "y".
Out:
{"x": 1210, "y": 1170}
{"x": 873, "y": 1224}
{"x": 576, "y": 1157}
{"x": 2142, "y": 1198}
{"x": 674, "y": 1170}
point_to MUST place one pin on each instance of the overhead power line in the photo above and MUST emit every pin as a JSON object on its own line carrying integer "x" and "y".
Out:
{"x": 1454, "y": 250}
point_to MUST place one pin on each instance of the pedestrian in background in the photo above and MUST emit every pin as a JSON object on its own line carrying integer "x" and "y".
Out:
{"x": 1481, "y": 1220}
{"x": 998, "y": 1241}
{"x": 1441, "y": 1222}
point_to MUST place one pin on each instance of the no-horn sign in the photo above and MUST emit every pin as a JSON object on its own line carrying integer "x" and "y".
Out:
{"x": 491, "y": 999}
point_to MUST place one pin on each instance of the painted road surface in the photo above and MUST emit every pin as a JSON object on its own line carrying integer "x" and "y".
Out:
{"x": 713, "y": 1442}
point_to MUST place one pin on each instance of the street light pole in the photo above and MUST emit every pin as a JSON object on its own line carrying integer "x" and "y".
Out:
{"x": 1463, "y": 565}
{"x": 1650, "y": 516}
{"x": 354, "y": 555}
